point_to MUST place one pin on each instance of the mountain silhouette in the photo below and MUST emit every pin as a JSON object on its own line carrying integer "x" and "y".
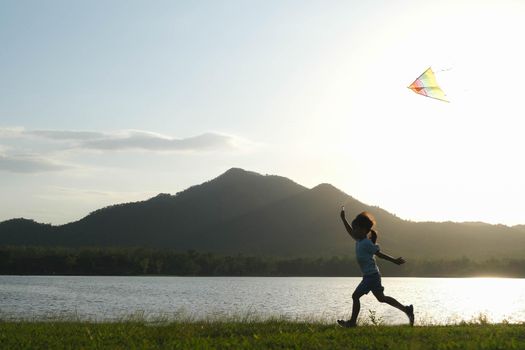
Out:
{"x": 242, "y": 212}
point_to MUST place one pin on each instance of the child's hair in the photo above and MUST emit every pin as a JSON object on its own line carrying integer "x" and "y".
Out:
{"x": 364, "y": 220}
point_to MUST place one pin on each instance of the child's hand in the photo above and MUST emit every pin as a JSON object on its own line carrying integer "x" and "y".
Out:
{"x": 373, "y": 236}
{"x": 399, "y": 261}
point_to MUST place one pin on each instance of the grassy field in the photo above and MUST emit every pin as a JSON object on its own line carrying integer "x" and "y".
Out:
{"x": 254, "y": 335}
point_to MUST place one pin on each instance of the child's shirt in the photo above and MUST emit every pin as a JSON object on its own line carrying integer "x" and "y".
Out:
{"x": 364, "y": 251}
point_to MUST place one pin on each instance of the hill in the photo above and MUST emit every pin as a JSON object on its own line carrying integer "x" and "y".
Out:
{"x": 245, "y": 212}
{"x": 519, "y": 227}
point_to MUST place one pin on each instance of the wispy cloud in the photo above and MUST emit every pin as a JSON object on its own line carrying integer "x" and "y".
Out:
{"x": 7, "y": 132}
{"x": 29, "y": 164}
{"x": 34, "y": 151}
{"x": 148, "y": 141}
{"x": 65, "y": 134}
{"x": 128, "y": 140}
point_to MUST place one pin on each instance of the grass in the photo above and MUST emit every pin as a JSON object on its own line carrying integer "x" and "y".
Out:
{"x": 268, "y": 334}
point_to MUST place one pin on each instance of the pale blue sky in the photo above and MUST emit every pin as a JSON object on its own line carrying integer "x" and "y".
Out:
{"x": 112, "y": 101}
{"x": 141, "y": 64}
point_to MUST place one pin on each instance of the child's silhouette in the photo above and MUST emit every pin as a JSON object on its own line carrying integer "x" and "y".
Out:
{"x": 366, "y": 249}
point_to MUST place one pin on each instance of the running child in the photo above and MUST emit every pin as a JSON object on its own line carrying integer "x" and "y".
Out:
{"x": 366, "y": 249}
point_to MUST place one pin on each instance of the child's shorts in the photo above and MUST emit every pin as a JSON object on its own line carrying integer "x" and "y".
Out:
{"x": 369, "y": 283}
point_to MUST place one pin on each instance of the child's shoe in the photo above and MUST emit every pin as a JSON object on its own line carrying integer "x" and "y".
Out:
{"x": 410, "y": 313}
{"x": 346, "y": 324}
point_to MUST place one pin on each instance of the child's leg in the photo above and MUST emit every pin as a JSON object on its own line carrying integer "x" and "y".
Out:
{"x": 382, "y": 298}
{"x": 408, "y": 310}
{"x": 356, "y": 306}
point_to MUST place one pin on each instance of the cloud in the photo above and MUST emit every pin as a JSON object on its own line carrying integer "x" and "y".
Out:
{"x": 148, "y": 141}
{"x": 11, "y": 132}
{"x": 28, "y": 164}
{"x": 65, "y": 134}
{"x": 129, "y": 140}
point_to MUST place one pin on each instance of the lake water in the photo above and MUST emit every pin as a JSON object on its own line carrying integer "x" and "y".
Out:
{"x": 436, "y": 300}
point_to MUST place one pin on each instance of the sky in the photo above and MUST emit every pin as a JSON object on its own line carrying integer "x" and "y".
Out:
{"x": 105, "y": 102}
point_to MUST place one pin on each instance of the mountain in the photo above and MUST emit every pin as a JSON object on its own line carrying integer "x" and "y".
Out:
{"x": 519, "y": 227}
{"x": 245, "y": 212}
{"x": 181, "y": 221}
{"x": 25, "y": 232}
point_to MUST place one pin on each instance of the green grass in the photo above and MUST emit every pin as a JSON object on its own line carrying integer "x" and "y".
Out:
{"x": 270, "y": 334}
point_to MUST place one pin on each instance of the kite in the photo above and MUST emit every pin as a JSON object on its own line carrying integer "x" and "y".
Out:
{"x": 426, "y": 85}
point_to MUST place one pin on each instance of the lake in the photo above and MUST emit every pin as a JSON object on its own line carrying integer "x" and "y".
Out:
{"x": 436, "y": 300}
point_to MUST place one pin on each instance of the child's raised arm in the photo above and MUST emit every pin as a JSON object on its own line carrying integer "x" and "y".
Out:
{"x": 347, "y": 225}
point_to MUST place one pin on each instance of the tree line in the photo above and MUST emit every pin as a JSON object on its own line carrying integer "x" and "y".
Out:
{"x": 16, "y": 260}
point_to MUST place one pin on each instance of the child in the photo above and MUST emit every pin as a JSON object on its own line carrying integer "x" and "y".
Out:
{"x": 365, "y": 249}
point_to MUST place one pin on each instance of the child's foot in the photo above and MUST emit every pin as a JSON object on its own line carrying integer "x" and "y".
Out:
{"x": 346, "y": 324}
{"x": 410, "y": 313}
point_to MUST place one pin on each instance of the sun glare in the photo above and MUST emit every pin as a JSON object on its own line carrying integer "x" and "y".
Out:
{"x": 465, "y": 149}
{"x": 493, "y": 297}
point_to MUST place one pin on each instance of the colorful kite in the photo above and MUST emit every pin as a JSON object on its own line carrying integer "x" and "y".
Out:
{"x": 426, "y": 85}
